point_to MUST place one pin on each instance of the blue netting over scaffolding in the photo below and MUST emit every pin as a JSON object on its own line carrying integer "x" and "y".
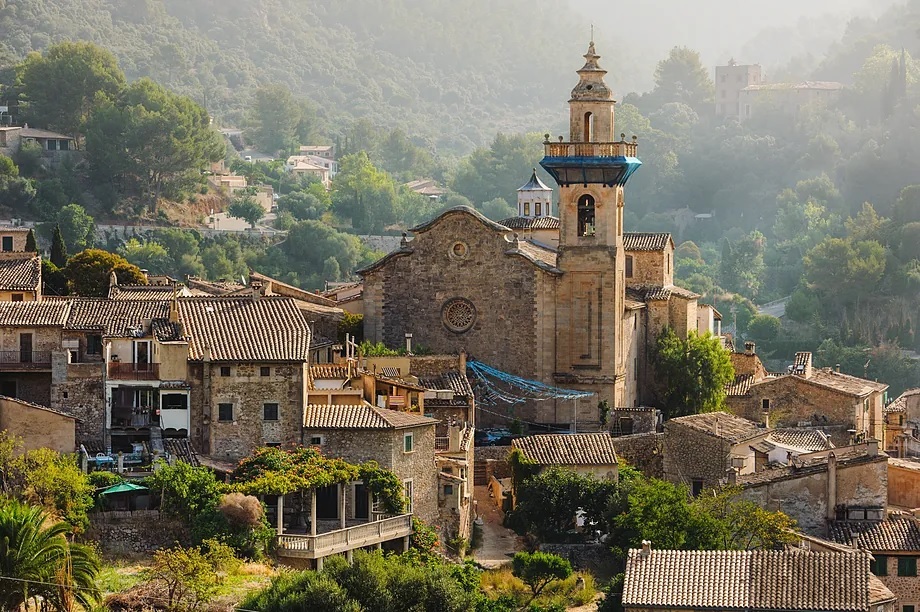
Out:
{"x": 495, "y": 386}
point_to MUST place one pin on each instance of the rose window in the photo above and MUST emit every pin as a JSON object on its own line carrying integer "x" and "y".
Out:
{"x": 459, "y": 315}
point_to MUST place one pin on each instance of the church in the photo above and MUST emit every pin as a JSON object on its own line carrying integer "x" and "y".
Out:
{"x": 570, "y": 300}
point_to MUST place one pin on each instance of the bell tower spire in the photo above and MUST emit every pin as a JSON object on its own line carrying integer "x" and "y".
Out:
{"x": 591, "y": 105}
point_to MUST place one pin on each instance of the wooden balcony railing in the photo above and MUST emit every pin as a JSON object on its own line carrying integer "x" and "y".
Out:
{"x": 134, "y": 371}
{"x": 24, "y": 359}
{"x": 342, "y": 540}
{"x": 591, "y": 149}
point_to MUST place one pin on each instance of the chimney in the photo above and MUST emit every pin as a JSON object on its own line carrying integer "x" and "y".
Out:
{"x": 872, "y": 448}
{"x": 173, "y": 311}
{"x": 831, "y": 511}
{"x": 732, "y": 474}
{"x": 462, "y": 361}
{"x": 765, "y": 417}
{"x": 455, "y": 436}
{"x": 646, "y": 548}
{"x": 837, "y": 368}
{"x": 409, "y": 343}
{"x": 750, "y": 348}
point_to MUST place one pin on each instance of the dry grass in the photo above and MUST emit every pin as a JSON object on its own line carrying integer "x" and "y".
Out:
{"x": 568, "y": 593}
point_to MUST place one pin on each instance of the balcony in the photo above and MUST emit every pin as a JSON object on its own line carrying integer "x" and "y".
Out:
{"x": 591, "y": 149}
{"x": 133, "y": 371}
{"x": 134, "y": 417}
{"x": 25, "y": 360}
{"x": 343, "y": 540}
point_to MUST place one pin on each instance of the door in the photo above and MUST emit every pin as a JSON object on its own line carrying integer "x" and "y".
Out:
{"x": 25, "y": 348}
{"x": 141, "y": 356}
{"x": 362, "y": 502}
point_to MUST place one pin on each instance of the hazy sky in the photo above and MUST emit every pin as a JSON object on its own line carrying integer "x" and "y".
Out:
{"x": 719, "y": 29}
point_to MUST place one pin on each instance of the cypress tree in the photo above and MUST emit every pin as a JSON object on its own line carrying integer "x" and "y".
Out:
{"x": 58, "y": 248}
{"x": 31, "y": 247}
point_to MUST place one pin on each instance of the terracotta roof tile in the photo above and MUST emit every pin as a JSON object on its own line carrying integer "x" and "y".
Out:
{"x": 851, "y": 385}
{"x": 895, "y": 535}
{"x": 649, "y": 293}
{"x": 46, "y": 313}
{"x": 811, "y": 440}
{"x": 21, "y": 273}
{"x": 748, "y": 580}
{"x": 569, "y": 449}
{"x": 334, "y": 371}
{"x": 245, "y": 329}
{"x": 640, "y": 241}
{"x": 361, "y": 416}
{"x": 544, "y": 257}
{"x": 114, "y": 317}
{"x": 146, "y": 292}
{"x": 531, "y": 223}
{"x": 740, "y": 386}
{"x": 721, "y": 425}
{"x": 454, "y": 380}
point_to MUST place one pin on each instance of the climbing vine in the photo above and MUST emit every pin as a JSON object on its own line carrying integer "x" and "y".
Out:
{"x": 277, "y": 471}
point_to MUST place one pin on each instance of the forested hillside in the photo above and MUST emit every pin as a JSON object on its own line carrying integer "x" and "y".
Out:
{"x": 449, "y": 73}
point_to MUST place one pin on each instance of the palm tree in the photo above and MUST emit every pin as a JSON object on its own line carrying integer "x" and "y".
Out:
{"x": 37, "y": 561}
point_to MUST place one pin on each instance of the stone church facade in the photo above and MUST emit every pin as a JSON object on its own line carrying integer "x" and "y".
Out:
{"x": 571, "y": 301}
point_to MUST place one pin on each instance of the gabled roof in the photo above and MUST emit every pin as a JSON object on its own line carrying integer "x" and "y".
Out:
{"x": 568, "y": 449}
{"x": 836, "y": 381}
{"x": 723, "y": 425}
{"x": 765, "y": 580}
{"x": 361, "y": 416}
{"x": 146, "y": 292}
{"x": 46, "y": 313}
{"x": 114, "y": 317}
{"x": 652, "y": 293}
{"x": 37, "y": 133}
{"x": 811, "y": 440}
{"x": 740, "y": 386}
{"x": 641, "y": 241}
{"x": 245, "y": 329}
{"x": 460, "y": 210}
{"x": 543, "y": 257}
{"x": 531, "y": 223}
{"x": 454, "y": 380}
{"x": 21, "y": 273}
{"x": 894, "y": 535}
{"x": 534, "y": 184}
{"x": 329, "y": 371}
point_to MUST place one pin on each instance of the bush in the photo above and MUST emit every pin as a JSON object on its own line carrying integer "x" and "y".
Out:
{"x": 103, "y": 480}
{"x": 539, "y": 569}
{"x": 241, "y": 510}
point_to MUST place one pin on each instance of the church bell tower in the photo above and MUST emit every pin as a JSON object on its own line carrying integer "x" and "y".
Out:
{"x": 591, "y": 169}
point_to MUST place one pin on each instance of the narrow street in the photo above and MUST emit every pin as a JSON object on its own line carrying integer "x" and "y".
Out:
{"x": 498, "y": 543}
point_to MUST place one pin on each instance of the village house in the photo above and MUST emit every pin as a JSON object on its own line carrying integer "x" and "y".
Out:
{"x": 902, "y": 420}
{"x": 592, "y": 454}
{"x": 904, "y": 482}
{"x": 426, "y": 187}
{"x": 307, "y": 165}
{"x": 13, "y": 239}
{"x": 576, "y": 300}
{"x": 847, "y": 407}
{"x": 54, "y": 147}
{"x": 895, "y": 548}
{"x": 753, "y": 581}
{"x": 323, "y": 151}
{"x": 20, "y": 277}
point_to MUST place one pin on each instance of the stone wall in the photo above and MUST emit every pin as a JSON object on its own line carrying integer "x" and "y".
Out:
{"x": 595, "y": 558}
{"x": 904, "y": 483}
{"x": 804, "y": 497}
{"x": 248, "y": 391}
{"x": 495, "y": 460}
{"x": 77, "y": 389}
{"x": 691, "y": 455}
{"x": 642, "y": 451}
{"x": 135, "y": 533}
{"x": 906, "y": 588}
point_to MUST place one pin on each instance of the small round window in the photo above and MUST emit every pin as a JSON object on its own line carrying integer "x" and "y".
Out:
{"x": 458, "y": 315}
{"x": 459, "y": 250}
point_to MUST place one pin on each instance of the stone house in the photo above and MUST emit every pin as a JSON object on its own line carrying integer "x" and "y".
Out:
{"x": 806, "y": 396}
{"x": 701, "y": 449}
{"x": 753, "y": 580}
{"x": 816, "y": 488}
{"x": 13, "y": 239}
{"x": 904, "y": 482}
{"x": 895, "y": 548}
{"x": 20, "y": 277}
{"x": 38, "y": 426}
{"x": 563, "y": 305}
{"x": 592, "y": 454}
{"x": 902, "y": 421}
{"x": 30, "y": 335}
{"x": 399, "y": 441}
{"x": 631, "y": 421}
{"x": 54, "y": 147}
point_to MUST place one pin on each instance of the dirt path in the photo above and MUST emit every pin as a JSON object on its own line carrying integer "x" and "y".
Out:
{"x": 498, "y": 544}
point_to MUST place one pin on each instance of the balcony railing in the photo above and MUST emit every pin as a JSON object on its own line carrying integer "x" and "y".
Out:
{"x": 342, "y": 540}
{"x": 25, "y": 359}
{"x": 134, "y": 371}
{"x": 591, "y": 149}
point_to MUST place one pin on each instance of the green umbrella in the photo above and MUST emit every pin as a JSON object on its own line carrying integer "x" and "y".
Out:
{"x": 123, "y": 487}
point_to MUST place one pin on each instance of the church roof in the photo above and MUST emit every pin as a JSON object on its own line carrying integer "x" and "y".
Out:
{"x": 531, "y": 223}
{"x": 543, "y": 257}
{"x": 642, "y": 241}
{"x": 457, "y": 210}
{"x": 534, "y": 184}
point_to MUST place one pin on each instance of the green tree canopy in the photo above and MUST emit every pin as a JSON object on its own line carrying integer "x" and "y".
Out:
{"x": 76, "y": 228}
{"x": 682, "y": 77}
{"x": 498, "y": 171}
{"x": 61, "y": 88}
{"x": 364, "y": 194}
{"x": 278, "y": 122}
{"x": 147, "y": 255}
{"x": 539, "y": 569}
{"x": 841, "y": 269}
{"x": 88, "y": 272}
{"x": 247, "y": 208}
{"x": 691, "y": 374}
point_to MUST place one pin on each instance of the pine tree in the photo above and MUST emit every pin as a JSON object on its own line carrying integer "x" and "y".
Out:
{"x": 31, "y": 247}
{"x": 58, "y": 248}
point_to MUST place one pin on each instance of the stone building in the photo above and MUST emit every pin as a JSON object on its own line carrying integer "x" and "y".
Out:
{"x": 572, "y": 301}
{"x": 20, "y": 277}
{"x": 849, "y": 408}
{"x": 895, "y": 548}
{"x": 753, "y": 580}
{"x": 816, "y": 488}
{"x": 904, "y": 482}
{"x": 399, "y": 441}
{"x": 592, "y": 454}
{"x": 700, "y": 449}
{"x": 902, "y": 421}
{"x": 731, "y": 79}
